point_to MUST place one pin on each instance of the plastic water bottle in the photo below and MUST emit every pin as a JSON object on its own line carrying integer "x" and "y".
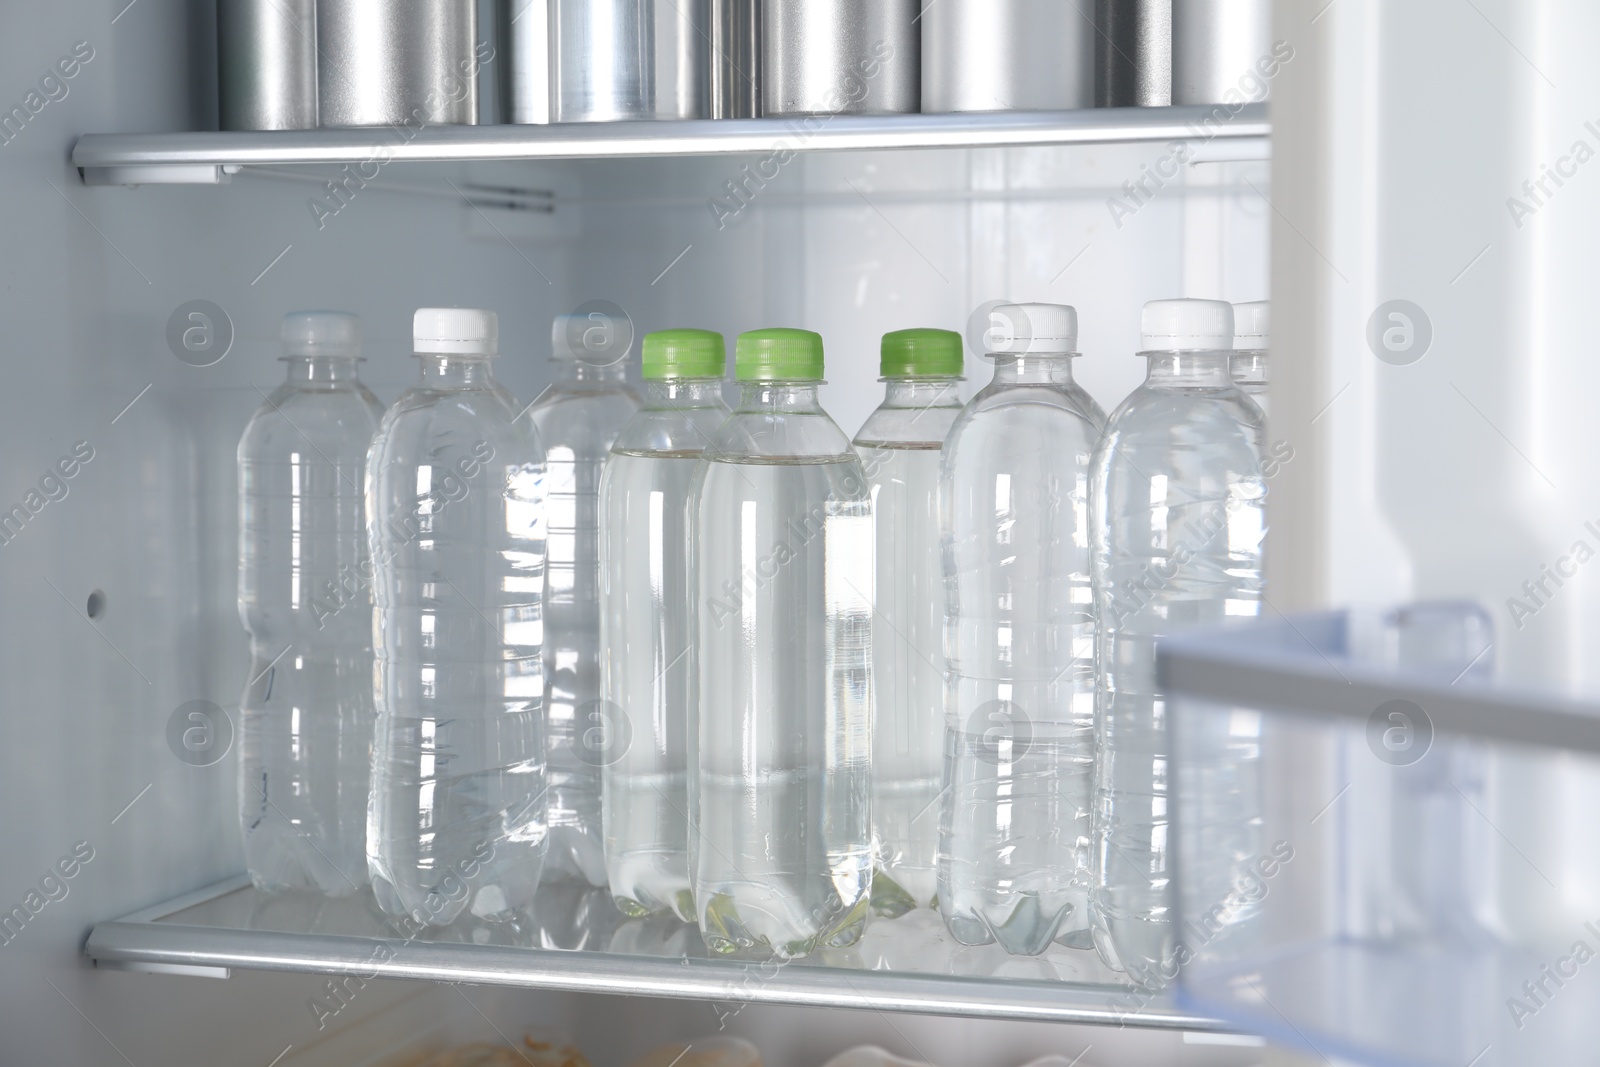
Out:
{"x": 1177, "y": 516}
{"x": 1014, "y": 858}
{"x": 1252, "y": 337}
{"x": 646, "y": 625}
{"x": 306, "y": 732}
{"x": 578, "y": 417}
{"x": 780, "y": 844}
{"x": 455, "y": 520}
{"x": 899, "y": 446}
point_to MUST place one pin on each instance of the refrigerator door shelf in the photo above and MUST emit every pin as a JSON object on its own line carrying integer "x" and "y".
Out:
{"x": 1364, "y": 871}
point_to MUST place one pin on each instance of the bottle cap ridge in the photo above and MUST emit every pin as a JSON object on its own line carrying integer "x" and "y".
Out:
{"x": 1186, "y": 325}
{"x": 921, "y": 353}
{"x": 321, "y": 333}
{"x": 778, "y": 355}
{"x": 1252, "y": 325}
{"x": 456, "y": 331}
{"x": 1021, "y": 329}
{"x": 683, "y": 354}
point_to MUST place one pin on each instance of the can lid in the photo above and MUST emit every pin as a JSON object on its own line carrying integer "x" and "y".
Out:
{"x": 1252, "y": 325}
{"x": 456, "y": 331}
{"x": 921, "y": 353}
{"x": 684, "y": 354}
{"x": 321, "y": 333}
{"x": 1186, "y": 325}
{"x": 778, "y": 355}
{"x": 1021, "y": 329}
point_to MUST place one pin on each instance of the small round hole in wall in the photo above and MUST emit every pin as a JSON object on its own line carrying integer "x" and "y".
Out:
{"x": 97, "y": 605}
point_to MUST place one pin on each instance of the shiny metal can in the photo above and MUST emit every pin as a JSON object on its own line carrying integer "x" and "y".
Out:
{"x": 267, "y": 64}
{"x": 393, "y": 62}
{"x": 735, "y": 59}
{"x": 1221, "y": 50}
{"x": 834, "y": 57}
{"x": 1133, "y": 63}
{"x": 1006, "y": 55}
{"x": 629, "y": 59}
{"x": 522, "y": 30}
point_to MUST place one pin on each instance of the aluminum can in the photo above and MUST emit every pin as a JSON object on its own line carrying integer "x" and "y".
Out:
{"x": 858, "y": 57}
{"x": 267, "y": 64}
{"x": 1220, "y": 49}
{"x": 1133, "y": 66}
{"x": 393, "y": 62}
{"x": 1006, "y": 55}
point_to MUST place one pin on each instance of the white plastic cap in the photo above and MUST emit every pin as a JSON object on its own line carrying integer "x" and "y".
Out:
{"x": 1186, "y": 325}
{"x": 456, "y": 331}
{"x": 1252, "y": 325}
{"x": 321, "y": 333}
{"x": 1017, "y": 329}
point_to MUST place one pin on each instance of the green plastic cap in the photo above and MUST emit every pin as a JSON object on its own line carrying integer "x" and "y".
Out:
{"x": 921, "y": 354}
{"x": 778, "y": 356}
{"x": 684, "y": 354}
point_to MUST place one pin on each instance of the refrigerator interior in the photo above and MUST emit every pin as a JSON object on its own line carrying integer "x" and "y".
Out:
{"x": 119, "y": 585}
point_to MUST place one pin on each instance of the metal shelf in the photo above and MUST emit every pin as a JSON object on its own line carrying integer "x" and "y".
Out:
{"x": 201, "y": 158}
{"x": 231, "y": 925}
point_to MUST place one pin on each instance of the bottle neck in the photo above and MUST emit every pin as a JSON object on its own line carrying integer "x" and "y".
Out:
{"x": 1187, "y": 370}
{"x": 1035, "y": 368}
{"x": 455, "y": 371}
{"x": 683, "y": 392}
{"x": 576, "y": 371}
{"x": 921, "y": 392}
{"x": 789, "y": 397}
{"x": 321, "y": 370}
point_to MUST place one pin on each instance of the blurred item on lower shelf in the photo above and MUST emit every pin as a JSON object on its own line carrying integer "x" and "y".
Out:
{"x": 535, "y": 1051}
{"x": 702, "y": 1052}
{"x": 871, "y": 1056}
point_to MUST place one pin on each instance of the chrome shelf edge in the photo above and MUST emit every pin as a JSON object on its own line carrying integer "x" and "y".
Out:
{"x": 157, "y": 158}
{"x": 141, "y": 943}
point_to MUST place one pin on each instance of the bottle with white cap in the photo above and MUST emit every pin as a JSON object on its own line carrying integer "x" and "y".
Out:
{"x": 306, "y": 714}
{"x": 578, "y": 417}
{"x": 455, "y": 521}
{"x": 1041, "y": 323}
{"x": 1252, "y": 338}
{"x": 1014, "y": 859}
{"x": 1177, "y": 516}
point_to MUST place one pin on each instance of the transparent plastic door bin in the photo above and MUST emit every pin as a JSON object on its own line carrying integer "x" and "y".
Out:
{"x": 1382, "y": 855}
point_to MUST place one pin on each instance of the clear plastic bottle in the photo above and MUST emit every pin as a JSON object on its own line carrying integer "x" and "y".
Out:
{"x": 646, "y": 625}
{"x": 1177, "y": 515}
{"x": 1014, "y": 858}
{"x": 455, "y": 520}
{"x": 899, "y": 447}
{"x": 780, "y": 843}
{"x": 578, "y": 417}
{"x": 305, "y": 746}
{"x": 1252, "y": 338}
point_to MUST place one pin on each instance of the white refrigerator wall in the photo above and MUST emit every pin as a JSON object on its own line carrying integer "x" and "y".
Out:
{"x": 1435, "y": 283}
{"x": 117, "y": 583}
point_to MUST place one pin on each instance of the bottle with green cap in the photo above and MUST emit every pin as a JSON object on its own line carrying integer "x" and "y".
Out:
{"x": 646, "y": 624}
{"x": 781, "y": 850}
{"x": 899, "y": 446}
{"x": 578, "y": 417}
{"x": 1014, "y": 858}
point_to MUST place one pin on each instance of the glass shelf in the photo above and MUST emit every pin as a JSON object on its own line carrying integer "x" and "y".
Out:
{"x": 580, "y": 942}
{"x": 211, "y": 157}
